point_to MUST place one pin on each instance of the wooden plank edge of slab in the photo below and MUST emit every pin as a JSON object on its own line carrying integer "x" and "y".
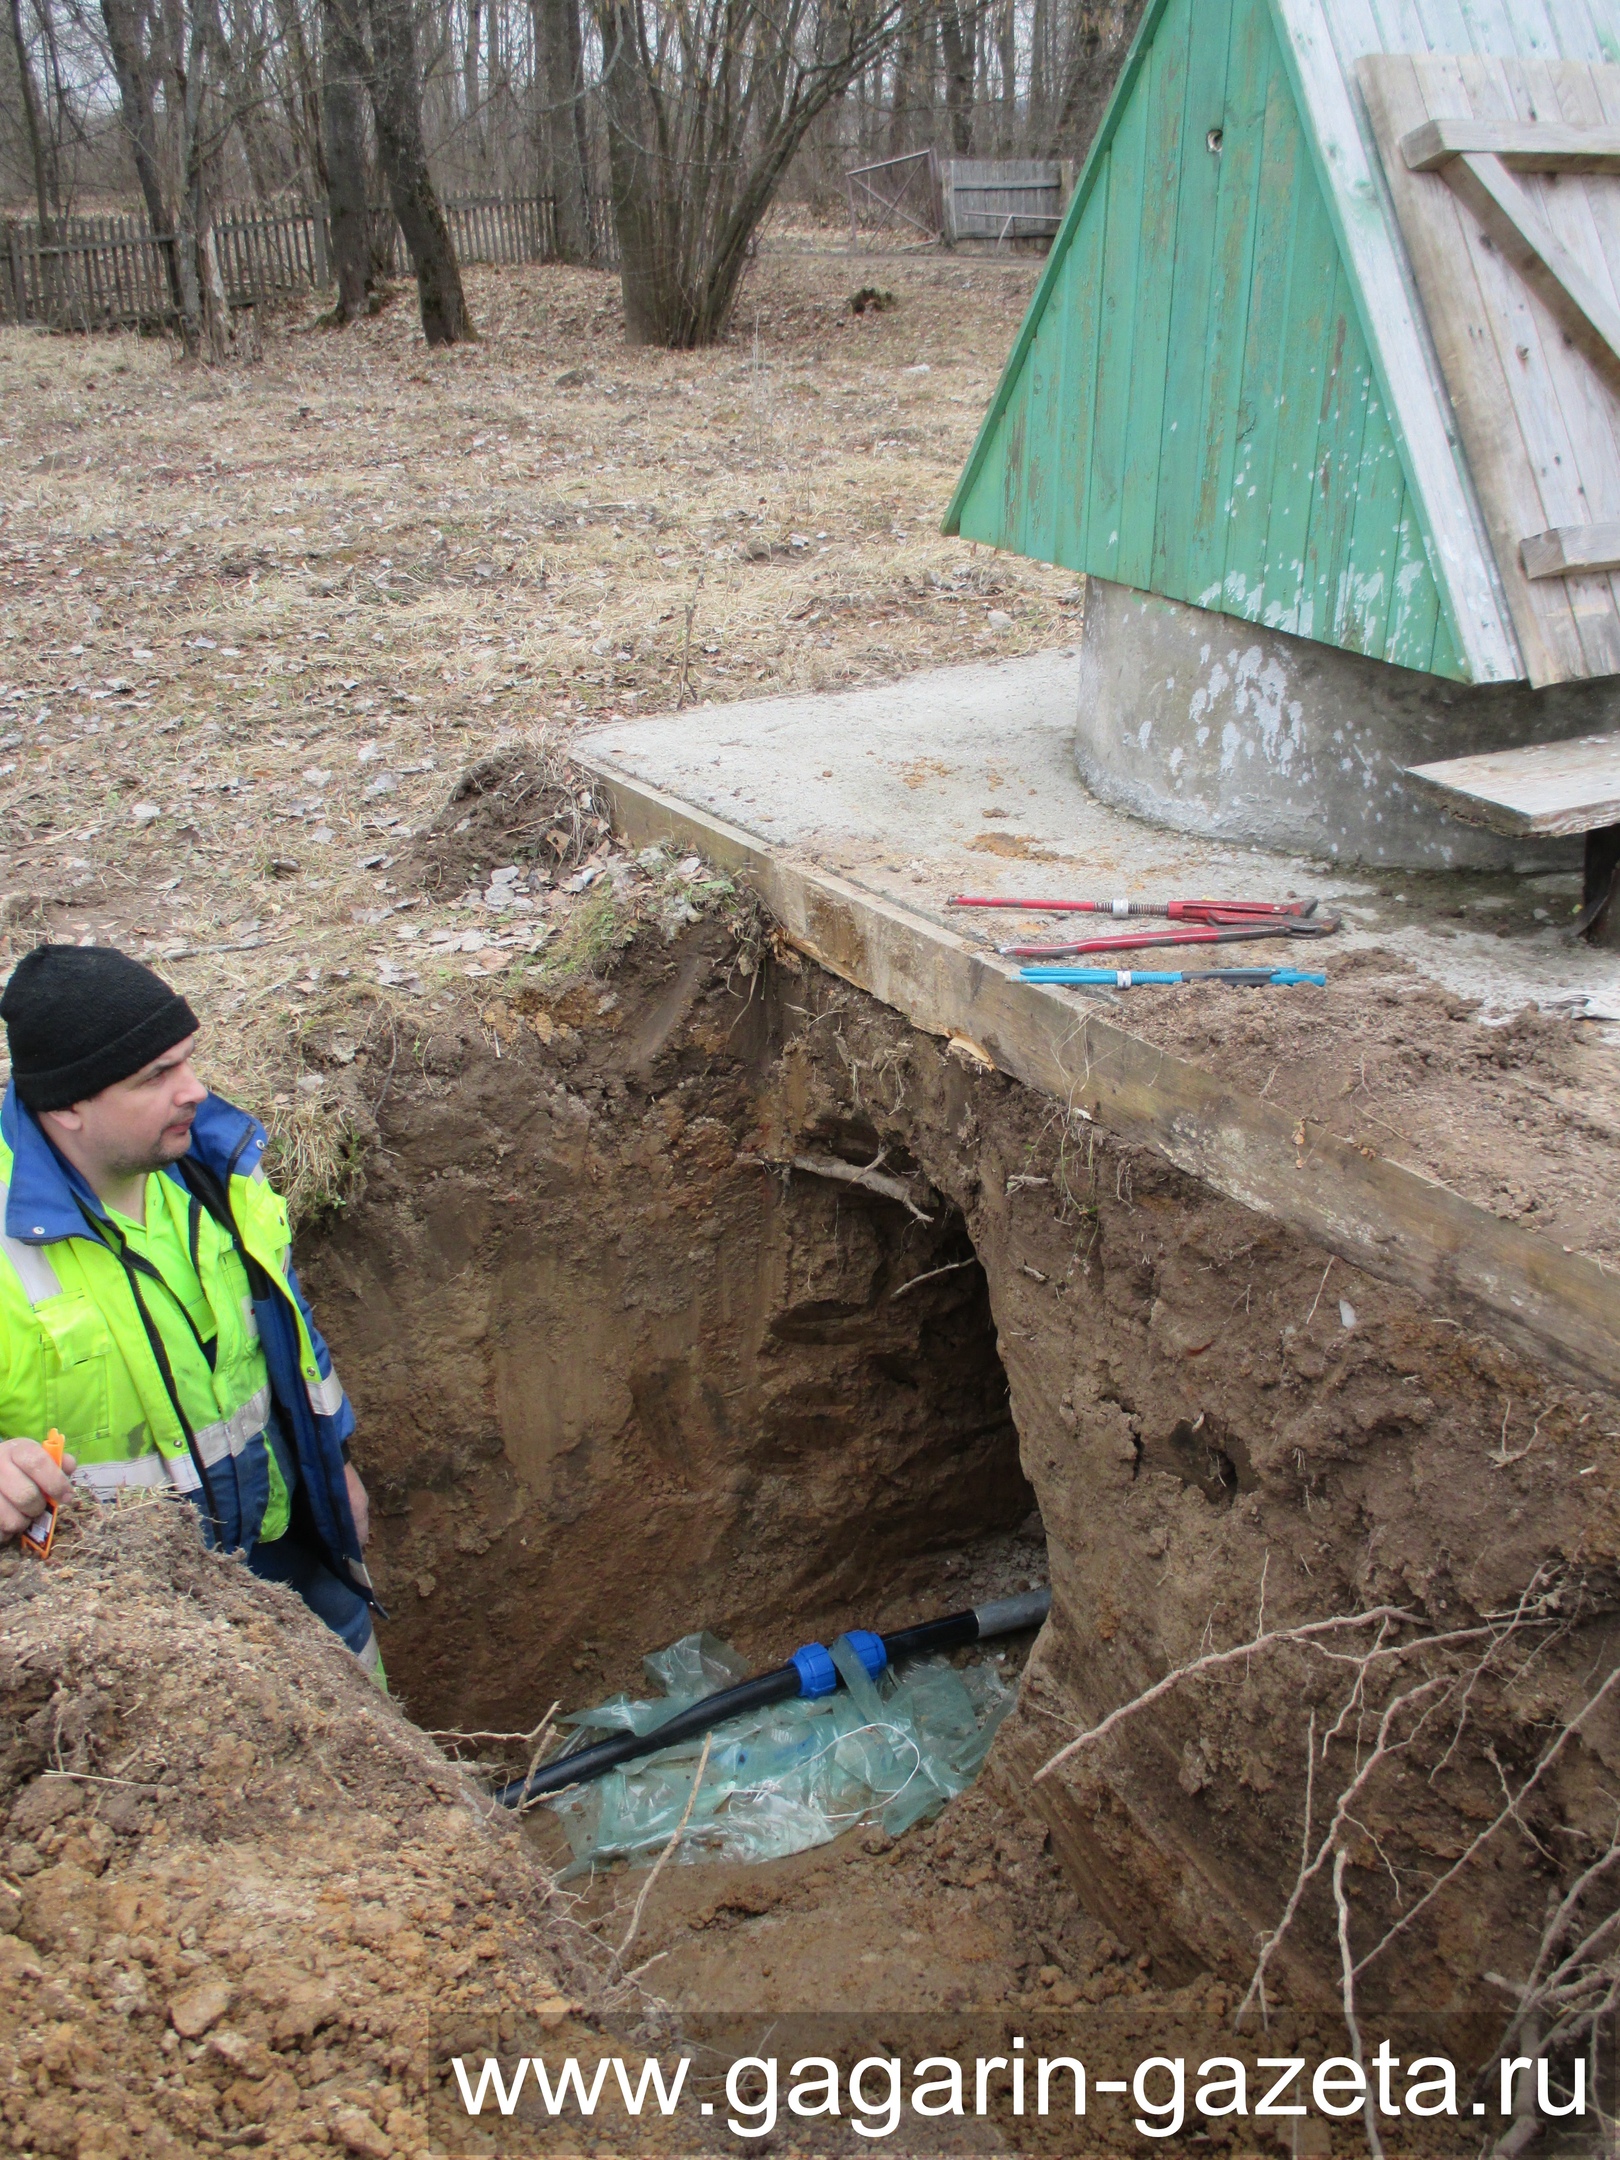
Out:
{"x": 1473, "y": 809}
{"x": 1394, "y": 1223}
{"x": 1566, "y": 821}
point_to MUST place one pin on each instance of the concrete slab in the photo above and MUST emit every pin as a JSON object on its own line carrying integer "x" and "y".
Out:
{"x": 1351, "y": 1199}
{"x": 964, "y": 779}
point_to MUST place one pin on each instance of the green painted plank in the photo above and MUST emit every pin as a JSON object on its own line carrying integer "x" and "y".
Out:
{"x": 1362, "y": 621}
{"x": 1118, "y": 105}
{"x": 1305, "y": 334}
{"x": 1030, "y": 528}
{"x": 1116, "y": 343}
{"x": 1251, "y": 68}
{"x": 1014, "y": 479}
{"x": 1341, "y": 425}
{"x": 981, "y": 517}
{"x": 1283, "y": 163}
{"x": 1416, "y": 635}
{"x": 1194, "y": 321}
{"x": 1444, "y": 658}
{"x": 1371, "y": 250}
{"x": 1077, "y": 386}
{"x": 1222, "y": 421}
{"x": 987, "y": 522}
{"x": 1164, "y": 94}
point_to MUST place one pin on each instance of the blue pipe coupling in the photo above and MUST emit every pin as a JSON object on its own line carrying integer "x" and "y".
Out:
{"x": 818, "y": 1675}
{"x": 869, "y": 1649}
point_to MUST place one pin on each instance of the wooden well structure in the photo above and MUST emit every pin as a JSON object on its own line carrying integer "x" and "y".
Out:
{"x": 1321, "y": 390}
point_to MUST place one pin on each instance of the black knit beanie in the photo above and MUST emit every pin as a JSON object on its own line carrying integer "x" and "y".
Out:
{"x": 80, "y": 1018}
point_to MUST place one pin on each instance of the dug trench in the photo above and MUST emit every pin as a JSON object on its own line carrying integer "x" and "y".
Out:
{"x": 705, "y": 1292}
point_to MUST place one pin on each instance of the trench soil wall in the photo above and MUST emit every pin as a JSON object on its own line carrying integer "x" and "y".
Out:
{"x": 618, "y": 1376}
{"x": 618, "y": 1381}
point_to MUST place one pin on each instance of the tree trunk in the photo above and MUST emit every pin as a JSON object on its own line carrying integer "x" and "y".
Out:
{"x": 343, "y": 71}
{"x": 396, "y": 99}
{"x": 559, "y": 77}
{"x": 54, "y": 279}
{"x": 1102, "y": 28}
{"x": 303, "y": 103}
{"x": 958, "y": 29}
{"x": 46, "y": 191}
{"x": 907, "y": 69}
{"x": 61, "y": 125}
{"x": 134, "y": 76}
{"x": 189, "y": 223}
{"x": 654, "y": 310}
{"x": 1007, "y": 49}
{"x": 261, "y": 147}
{"x": 471, "y": 118}
{"x": 216, "y": 306}
{"x": 1039, "y": 34}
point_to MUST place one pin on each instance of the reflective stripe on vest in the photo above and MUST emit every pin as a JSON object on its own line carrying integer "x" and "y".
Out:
{"x": 230, "y": 1435}
{"x": 34, "y": 1270}
{"x": 106, "y": 1478}
{"x": 325, "y": 1396}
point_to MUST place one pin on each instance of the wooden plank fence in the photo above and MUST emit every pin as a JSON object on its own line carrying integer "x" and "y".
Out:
{"x": 115, "y": 272}
{"x": 1003, "y": 198}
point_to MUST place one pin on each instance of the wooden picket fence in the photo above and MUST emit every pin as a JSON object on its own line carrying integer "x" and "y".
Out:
{"x": 114, "y": 272}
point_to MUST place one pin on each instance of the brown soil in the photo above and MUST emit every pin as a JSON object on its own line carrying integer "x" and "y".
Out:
{"x": 626, "y": 1398}
{"x": 522, "y": 804}
{"x": 619, "y": 1376}
{"x": 241, "y": 1896}
{"x": 563, "y": 1286}
{"x": 1522, "y": 1117}
{"x": 952, "y": 1939}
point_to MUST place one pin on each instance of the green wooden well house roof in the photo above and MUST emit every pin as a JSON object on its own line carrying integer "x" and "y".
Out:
{"x": 1298, "y": 361}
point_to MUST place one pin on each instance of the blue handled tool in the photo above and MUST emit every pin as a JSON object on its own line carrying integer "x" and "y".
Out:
{"x": 1129, "y": 978}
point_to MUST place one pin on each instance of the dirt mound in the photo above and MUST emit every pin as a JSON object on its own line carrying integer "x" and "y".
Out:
{"x": 524, "y": 802}
{"x": 243, "y": 1900}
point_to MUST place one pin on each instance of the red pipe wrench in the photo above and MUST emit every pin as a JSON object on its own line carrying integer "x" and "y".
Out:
{"x": 1208, "y": 911}
{"x": 1196, "y": 932}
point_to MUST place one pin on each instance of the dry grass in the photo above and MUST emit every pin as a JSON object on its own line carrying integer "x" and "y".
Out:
{"x": 254, "y": 620}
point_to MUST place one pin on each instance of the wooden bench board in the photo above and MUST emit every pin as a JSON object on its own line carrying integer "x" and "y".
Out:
{"x": 1561, "y": 787}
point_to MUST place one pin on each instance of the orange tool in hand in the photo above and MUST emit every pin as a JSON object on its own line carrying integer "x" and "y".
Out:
{"x": 37, "y": 1537}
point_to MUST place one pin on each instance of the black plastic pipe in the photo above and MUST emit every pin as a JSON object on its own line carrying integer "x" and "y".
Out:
{"x": 809, "y": 1671}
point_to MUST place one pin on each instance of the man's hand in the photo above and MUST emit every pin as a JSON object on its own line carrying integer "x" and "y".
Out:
{"x": 359, "y": 1505}
{"x": 29, "y": 1481}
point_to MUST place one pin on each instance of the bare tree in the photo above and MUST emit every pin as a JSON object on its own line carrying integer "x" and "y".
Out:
{"x": 132, "y": 41}
{"x": 1097, "y": 35}
{"x": 706, "y": 101}
{"x": 564, "y": 152}
{"x": 396, "y": 102}
{"x": 194, "y": 74}
{"x": 344, "y": 69}
{"x": 301, "y": 89}
{"x": 959, "y": 35}
{"x": 908, "y": 67}
{"x": 689, "y": 116}
{"x": 47, "y": 180}
{"x": 470, "y": 102}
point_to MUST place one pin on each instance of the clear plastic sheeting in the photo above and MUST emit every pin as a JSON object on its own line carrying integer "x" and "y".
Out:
{"x": 795, "y": 1774}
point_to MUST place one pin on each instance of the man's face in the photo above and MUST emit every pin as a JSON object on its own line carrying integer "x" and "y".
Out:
{"x": 138, "y": 1124}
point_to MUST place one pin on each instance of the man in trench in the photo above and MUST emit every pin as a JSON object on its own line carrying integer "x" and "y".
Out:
{"x": 149, "y": 1311}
